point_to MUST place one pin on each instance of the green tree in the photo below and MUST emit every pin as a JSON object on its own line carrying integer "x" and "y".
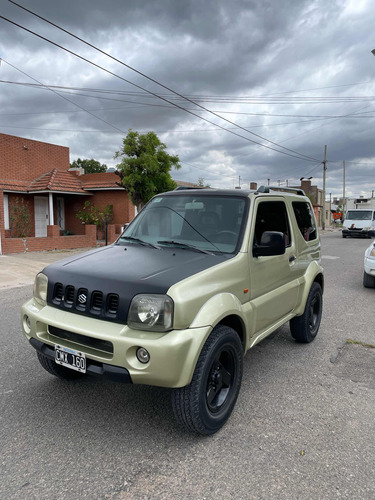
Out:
{"x": 145, "y": 167}
{"x": 89, "y": 166}
{"x": 202, "y": 184}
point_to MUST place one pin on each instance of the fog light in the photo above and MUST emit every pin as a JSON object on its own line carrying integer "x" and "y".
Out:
{"x": 28, "y": 322}
{"x": 143, "y": 355}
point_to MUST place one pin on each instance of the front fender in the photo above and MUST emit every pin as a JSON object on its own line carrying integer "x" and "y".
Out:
{"x": 217, "y": 308}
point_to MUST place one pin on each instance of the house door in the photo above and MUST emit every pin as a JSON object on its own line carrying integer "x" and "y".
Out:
{"x": 41, "y": 216}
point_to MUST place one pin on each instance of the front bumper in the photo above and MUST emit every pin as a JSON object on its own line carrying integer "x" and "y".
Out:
{"x": 370, "y": 266}
{"x": 112, "y": 347}
{"x": 355, "y": 232}
{"x": 114, "y": 373}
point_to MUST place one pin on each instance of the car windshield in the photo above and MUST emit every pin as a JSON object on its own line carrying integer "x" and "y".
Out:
{"x": 359, "y": 215}
{"x": 190, "y": 222}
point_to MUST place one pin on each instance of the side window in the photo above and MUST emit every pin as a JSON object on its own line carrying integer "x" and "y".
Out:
{"x": 305, "y": 220}
{"x": 272, "y": 216}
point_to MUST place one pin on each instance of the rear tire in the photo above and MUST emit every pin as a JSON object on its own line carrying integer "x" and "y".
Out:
{"x": 368, "y": 280}
{"x": 57, "y": 370}
{"x": 305, "y": 328}
{"x": 203, "y": 406}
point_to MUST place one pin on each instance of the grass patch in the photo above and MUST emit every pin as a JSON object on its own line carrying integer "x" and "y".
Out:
{"x": 358, "y": 342}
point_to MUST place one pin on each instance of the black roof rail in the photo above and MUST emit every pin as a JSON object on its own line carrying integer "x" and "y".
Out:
{"x": 182, "y": 188}
{"x": 267, "y": 189}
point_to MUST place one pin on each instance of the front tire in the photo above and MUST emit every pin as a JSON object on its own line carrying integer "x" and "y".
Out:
{"x": 203, "y": 406}
{"x": 57, "y": 370}
{"x": 305, "y": 328}
{"x": 368, "y": 280}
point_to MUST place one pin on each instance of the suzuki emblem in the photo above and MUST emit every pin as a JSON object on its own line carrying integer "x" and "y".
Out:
{"x": 82, "y": 298}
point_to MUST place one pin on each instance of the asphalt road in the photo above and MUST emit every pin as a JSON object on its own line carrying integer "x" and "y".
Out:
{"x": 303, "y": 426}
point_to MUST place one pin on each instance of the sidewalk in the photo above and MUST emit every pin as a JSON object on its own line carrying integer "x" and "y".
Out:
{"x": 19, "y": 269}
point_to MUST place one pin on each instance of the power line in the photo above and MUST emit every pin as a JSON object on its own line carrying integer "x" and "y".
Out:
{"x": 76, "y": 90}
{"x": 65, "y": 98}
{"x": 299, "y": 155}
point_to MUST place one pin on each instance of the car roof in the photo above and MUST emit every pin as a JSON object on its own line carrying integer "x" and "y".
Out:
{"x": 241, "y": 193}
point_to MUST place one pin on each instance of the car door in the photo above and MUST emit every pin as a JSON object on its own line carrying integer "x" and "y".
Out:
{"x": 274, "y": 280}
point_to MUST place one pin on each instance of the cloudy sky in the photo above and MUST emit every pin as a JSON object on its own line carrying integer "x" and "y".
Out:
{"x": 267, "y": 84}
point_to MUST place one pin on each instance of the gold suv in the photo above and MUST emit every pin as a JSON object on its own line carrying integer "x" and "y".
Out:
{"x": 198, "y": 278}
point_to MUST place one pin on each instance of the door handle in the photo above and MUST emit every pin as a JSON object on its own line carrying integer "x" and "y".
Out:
{"x": 292, "y": 258}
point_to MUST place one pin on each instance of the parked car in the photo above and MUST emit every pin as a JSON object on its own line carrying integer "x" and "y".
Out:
{"x": 369, "y": 264}
{"x": 358, "y": 222}
{"x": 197, "y": 279}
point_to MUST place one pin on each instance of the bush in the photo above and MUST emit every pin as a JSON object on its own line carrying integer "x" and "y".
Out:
{"x": 91, "y": 214}
{"x": 20, "y": 219}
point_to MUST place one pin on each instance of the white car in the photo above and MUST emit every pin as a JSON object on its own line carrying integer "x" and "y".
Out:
{"x": 369, "y": 272}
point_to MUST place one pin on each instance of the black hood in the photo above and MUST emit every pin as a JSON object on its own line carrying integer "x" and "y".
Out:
{"x": 110, "y": 277}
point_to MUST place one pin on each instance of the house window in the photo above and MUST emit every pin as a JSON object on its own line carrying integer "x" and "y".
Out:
{"x": 60, "y": 213}
{"x": 6, "y": 211}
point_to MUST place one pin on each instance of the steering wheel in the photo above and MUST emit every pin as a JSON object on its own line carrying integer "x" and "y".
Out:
{"x": 226, "y": 236}
{"x": 231, "y": 233}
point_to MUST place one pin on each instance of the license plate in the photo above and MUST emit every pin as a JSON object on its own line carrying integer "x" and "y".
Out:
{"x": 70, "y": 358}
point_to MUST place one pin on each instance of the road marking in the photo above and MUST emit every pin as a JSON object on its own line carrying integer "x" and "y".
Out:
{"x": 331, "y": 257}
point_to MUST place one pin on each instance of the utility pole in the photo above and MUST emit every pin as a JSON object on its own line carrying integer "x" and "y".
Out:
{"x": 343, "y": 192}
{"x": 324, "y": 187}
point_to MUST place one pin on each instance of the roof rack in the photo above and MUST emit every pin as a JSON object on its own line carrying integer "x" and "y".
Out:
{"x": 183, "y": 188}
{"x": 267, "y": 189}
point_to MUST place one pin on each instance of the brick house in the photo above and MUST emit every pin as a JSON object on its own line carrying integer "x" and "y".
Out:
{"x": 40, "y": 197}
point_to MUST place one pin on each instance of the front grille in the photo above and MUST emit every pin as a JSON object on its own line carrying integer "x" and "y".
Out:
{"x": 59, "y": 291}
{"x": 83, "y": 340}
{"x": 97, "y": 301}
{"x": 112, "y": 303}
{"x": 81, "y": 300}
{"x": 69, "y": 294}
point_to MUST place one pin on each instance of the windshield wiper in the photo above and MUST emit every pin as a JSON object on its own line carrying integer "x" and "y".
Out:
{"x": 184, "y": 246}
{"x": 138, "y": 240}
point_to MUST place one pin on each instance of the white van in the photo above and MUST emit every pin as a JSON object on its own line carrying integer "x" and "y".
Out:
{"x": 358, "y": 222}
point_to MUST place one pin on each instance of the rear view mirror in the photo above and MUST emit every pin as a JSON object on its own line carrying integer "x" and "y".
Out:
{"x": 271, "y": 243}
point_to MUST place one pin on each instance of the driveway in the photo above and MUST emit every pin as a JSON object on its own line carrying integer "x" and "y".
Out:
{"x": 19, "y": 269}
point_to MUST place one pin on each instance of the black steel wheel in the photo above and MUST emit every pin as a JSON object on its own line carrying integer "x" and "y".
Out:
{"x": 57, "y": 370}
{"x": 304, "y": 328}
{"x": 206, "y": 403}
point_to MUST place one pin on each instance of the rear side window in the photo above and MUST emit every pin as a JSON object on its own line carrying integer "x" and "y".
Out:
{"x": 305, "y": 220}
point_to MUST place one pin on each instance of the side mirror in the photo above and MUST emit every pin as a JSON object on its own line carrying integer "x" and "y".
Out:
{"x": 271, "y": 243}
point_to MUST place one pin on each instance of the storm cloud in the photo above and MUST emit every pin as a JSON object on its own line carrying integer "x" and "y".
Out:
{"x": 283, "y": 78}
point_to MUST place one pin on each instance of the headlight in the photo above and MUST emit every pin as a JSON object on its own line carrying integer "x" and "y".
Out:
{"x": 366, "y": 229}
{"x": 40, "y": 289}
{"x": 151, "y": 312}
{"x": 372, "y": 253}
